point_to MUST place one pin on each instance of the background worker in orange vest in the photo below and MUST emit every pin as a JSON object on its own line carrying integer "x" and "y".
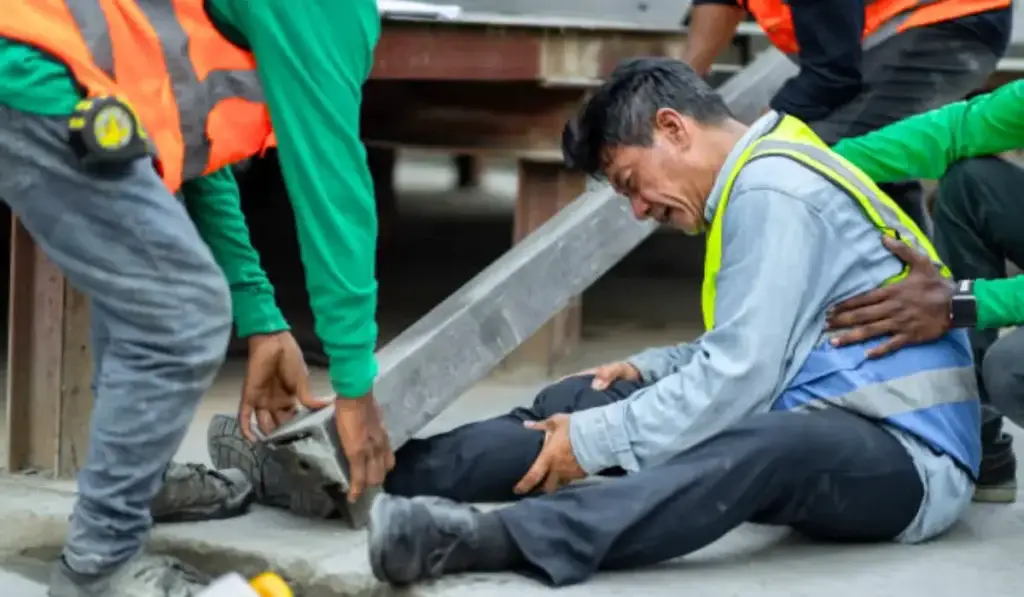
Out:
{"x": 172, "y": 98}
{"x": 865, "y": 63}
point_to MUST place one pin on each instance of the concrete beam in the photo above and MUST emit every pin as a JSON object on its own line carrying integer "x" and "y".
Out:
{"x": 425, "y": 369}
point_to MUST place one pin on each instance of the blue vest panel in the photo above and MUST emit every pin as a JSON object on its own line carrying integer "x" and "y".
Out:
{"x": 928, "y": 390}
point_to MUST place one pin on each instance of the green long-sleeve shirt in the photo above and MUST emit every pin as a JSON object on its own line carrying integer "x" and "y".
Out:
{"x": 312, "y": 60}
{"x": 925, "y": 145}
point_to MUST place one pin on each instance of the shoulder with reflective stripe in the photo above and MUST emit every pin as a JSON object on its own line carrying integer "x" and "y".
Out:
{"x": 220, "y": 104}
{"x": 810, "y": 151}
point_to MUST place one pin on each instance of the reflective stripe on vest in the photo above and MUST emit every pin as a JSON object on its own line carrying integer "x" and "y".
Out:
{"x": 882, "y": 18}
{"x": 927, "y": 390}
{"x": 197, "y": 95}
{"x": 794, "y": 140}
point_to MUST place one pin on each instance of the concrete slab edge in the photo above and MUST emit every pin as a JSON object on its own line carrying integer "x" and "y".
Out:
{"x": 321, "y": 557}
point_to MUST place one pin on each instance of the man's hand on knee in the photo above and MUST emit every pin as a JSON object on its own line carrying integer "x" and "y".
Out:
{"x": 556, "y": 465}
{"x": 607, "y": 374}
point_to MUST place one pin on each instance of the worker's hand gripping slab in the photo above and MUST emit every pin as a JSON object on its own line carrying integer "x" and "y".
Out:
{"x": 312, "y": 453}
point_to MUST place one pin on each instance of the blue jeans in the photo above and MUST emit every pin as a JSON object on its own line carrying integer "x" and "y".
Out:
{"x": 161, "y": 320}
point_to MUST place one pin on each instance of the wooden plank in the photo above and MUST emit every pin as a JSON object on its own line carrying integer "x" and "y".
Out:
{"x": 76, "y": 384}
{"x": 426, "y": 51}
{"x": 469, "y": 170}
{"x": 582, "y": 56}
{"x": 446, "y": 51}
{"x": 48, "y": 403}
{"x": 544, "y": 189}
{"x": 33, "y": 355}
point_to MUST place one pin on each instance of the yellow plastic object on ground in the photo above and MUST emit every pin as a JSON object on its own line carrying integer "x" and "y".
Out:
{"x": 267, "y": 584}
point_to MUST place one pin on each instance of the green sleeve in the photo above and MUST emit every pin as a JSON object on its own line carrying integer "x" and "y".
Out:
{"x": 216, "y": 208}
{"x": 1000, "y": 302}
{"x": 31, "y": 81}
{"x": 924, "y": 146}
{"x": 312, "y": 61}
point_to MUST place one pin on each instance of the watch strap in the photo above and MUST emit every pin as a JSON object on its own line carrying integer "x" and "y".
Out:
{"x": 963, "y": 311}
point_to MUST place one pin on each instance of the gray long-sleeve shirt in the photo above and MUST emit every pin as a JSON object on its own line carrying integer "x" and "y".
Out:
{"x": 792, "y": 245}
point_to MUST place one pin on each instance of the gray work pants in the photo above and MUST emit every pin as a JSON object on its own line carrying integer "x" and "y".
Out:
{"x": 161, "y": 320}
{"x": 979, "y": 226}
{"x": 829, "y": 474}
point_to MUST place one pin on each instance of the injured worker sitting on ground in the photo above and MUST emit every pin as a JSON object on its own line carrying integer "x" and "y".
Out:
{"x": 758, "y": 420}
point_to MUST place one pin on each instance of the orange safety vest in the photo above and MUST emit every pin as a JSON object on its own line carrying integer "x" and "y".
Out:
{"x": 197, "y": 95}
{"x": 883, "y": 18}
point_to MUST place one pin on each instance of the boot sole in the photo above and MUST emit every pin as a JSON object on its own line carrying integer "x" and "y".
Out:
{"x": 996, "y": 494}
{"x": 228, "y": 449}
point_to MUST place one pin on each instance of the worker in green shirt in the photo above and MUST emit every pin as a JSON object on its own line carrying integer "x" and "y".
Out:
{"x": 118, "y": 123}
{"x": 979, "y": 219}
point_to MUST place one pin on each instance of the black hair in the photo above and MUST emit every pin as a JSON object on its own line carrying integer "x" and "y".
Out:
{"x": 621, "y": 111}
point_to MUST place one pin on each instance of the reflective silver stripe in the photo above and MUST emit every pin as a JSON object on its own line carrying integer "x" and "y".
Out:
{"x": 891, "y": 27}
{"x": 195, "y": 98}
{"x": 193, "y": 104}
{"x": 906, "y": 394}
{"x": 832, "y": 168}
{"x": 92, "y": 24}
{"x": 222, "y": 84}
{"x": 885, "y": 30}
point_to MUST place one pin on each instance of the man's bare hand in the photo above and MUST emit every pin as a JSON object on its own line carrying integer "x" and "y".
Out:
{"x": 276, "y": 382}
{"x": 913, "y": 310}
{"x": 556, "y": 464}
{"x": 607, "y": 374}
{"x": 365, "y": 441}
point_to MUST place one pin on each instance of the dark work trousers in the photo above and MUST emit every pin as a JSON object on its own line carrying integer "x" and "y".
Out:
{"x": 910, "y": 73}
{"x": 829, "y": 474}
{"x": 979, "y": 226}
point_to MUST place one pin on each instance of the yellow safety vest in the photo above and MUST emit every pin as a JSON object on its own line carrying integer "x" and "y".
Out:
{"x": 794, "y": 139}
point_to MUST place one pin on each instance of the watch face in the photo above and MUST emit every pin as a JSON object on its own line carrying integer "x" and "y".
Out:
{"x": 964, "y": 311}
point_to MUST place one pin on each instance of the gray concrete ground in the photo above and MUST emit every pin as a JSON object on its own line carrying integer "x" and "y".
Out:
{"x": 652, "y": 299}
{"x": 13, "y": 584}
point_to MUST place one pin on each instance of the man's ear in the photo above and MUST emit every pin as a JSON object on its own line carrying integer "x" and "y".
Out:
{"x": 672, "y": 126}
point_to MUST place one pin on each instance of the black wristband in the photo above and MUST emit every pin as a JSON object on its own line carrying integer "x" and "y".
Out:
{"x": 963, "y": 312}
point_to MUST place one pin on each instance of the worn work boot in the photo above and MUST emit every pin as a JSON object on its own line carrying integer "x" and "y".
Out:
{"x": 997, "y": 482}
{"x": 141, "y": 576}
{"x": 194, "y": 492}
{"x": 422, "y": 538}
{"x": 269, "y": 479}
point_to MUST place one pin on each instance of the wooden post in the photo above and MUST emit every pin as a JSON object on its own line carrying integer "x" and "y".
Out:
{"x": 49, "y": 365}
{"x": 469, "y": 171}
{"x": 544, "y": 188}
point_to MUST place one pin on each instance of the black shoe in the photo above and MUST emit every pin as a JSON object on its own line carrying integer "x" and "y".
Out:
{"x": 997, "y": 482}
{"x": 422, "y": 538}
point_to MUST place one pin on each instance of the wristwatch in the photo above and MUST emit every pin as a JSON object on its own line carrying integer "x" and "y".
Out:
{"x": 963, "y": 312}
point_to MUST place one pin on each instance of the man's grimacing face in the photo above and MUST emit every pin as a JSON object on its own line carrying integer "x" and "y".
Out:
{"x": 670, "y": 180}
